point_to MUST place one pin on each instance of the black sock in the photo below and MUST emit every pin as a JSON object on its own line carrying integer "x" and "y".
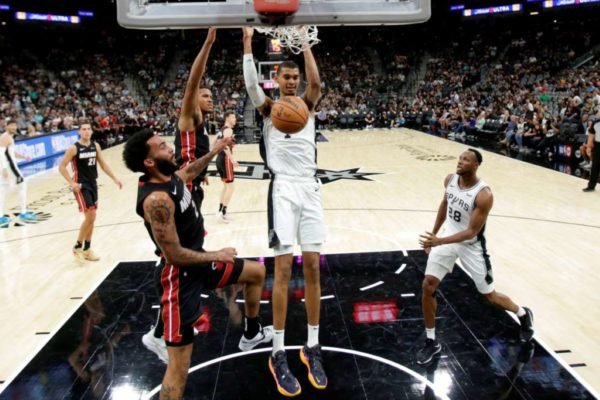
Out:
{"x": 86, "y": 245}
{"x": 77, "y": 245}
{"x": 159, "y": 328}
{"x": 220, "y": 207}
{"x": 252, "y": 327}
{"x": 224, "y": 210}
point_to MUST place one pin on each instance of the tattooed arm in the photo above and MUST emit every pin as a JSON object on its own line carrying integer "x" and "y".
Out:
{"x": 192, "y": 170}
{"x": 159, "y": 212}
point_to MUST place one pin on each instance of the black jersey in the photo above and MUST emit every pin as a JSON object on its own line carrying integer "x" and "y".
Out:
{"x": 191, "y": 145}
{"x": 84, "y": 164}
{"x": 188, "y": 220}
{"x": 221, "y": 135}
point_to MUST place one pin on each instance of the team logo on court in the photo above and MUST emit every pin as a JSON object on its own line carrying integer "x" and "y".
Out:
{"x": 258, "y": 171}
{"x": 328, "y": 176}
{"x": 31, "y": 218}
{"x": 426, "y": 154}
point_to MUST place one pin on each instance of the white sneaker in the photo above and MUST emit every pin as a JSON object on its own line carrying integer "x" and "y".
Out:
{"x": 264, "y": 335}
{"x": 156, "y": 345}
{"x": 222, "y": 218}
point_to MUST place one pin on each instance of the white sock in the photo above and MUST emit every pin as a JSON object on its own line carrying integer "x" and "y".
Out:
{"x": 313, "y": 335}
{"x": 520, "y": 312}
{"x": 23, "y": 196}
{"x": 430, "y": 333}
{"x": 278, "y": 340}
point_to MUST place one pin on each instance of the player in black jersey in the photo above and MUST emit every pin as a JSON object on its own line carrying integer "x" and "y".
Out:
{"x": 83, "y": 157}
{"x": 191, "y": 139}
{"x": 225, "y": 165}
{"x": 176, "y": 227}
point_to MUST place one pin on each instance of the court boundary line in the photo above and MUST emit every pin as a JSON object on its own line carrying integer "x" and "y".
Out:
{"x": 327, "y": 210}
{"x": 11, "y": 377}
{"x": 393, "y": 364}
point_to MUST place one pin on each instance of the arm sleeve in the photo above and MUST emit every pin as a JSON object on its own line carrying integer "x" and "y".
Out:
{"x": 255, "y": 92}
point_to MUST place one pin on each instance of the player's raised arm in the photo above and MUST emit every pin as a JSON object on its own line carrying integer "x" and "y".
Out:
{"x": 313, "y": 89}
{"x": 188, "y": 107}
{"x": 255, "y": 92}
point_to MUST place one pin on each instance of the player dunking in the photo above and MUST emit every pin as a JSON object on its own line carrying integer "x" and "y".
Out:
{"x": 295, "y": 212}
{"x": 11, "y": 176}
{"x": 191, "y": 139}
{"x": 176, "y": 227}
{"x": 463, "y": 212}
{"x": 225, "y": 165}
{"x": 83, "y": 157}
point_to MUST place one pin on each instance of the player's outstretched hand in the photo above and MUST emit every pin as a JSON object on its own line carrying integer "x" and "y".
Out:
{"x": 211, "y": 35}
{"x": 227, "y": 255}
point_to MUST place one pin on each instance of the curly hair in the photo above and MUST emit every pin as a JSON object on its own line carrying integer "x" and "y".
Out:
{"x": 136, "y": 150}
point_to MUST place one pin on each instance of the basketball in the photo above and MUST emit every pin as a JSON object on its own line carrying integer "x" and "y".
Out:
{"x": 289, "y": 114}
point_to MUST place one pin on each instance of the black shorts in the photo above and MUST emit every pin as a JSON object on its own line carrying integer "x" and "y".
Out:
{"x": 225, "y": 168}
{"x": 87, "y": 198}
{"x": 180, "y": 290}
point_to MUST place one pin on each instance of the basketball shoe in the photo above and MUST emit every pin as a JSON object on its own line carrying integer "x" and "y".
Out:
{"x": 78, "y": 253}
{"x": 311, "y": 357}
{"x": 90, "y": 255}
{"x": 526, "y": 322}
{"x": 287, "y": 384}
{"x": 223, "y": 218}
{"x": 4, "y": 221}
{"x": 28, "y": 216}
{"x": 431, "y": 348}
{"x": 156, "y": 345}
{"x": 264, "y": 335}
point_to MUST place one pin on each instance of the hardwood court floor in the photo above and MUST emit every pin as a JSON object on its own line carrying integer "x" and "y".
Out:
{"x": 541, "y": 235}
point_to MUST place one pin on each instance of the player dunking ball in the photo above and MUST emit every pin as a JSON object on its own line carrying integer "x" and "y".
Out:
{"x": 463, "y": 213}
{"x": 294, "y": 210}
{"x": 176, "y": 227}
{"x": 83, "y": 157}
{"x": 225, "y": 165}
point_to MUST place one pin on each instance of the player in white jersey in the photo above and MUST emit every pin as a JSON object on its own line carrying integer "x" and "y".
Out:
{"x": 11, "y": 177}
{"x": 295, "y": 212}
{"x": 463, "y": 213}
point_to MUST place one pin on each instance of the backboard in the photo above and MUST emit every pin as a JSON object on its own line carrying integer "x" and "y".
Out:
{"x": 161, "y": 14}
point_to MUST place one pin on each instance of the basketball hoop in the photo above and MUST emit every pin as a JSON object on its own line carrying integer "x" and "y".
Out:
{"x": 296, "y": 39}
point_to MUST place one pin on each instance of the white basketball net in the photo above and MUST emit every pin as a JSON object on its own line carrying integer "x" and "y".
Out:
{"x": 294, "y": 38}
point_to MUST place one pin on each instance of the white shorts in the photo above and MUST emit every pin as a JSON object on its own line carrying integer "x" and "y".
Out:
{"x": 474, "y": 260}
{"x": 295, "y": 213}
{"x": 13, "y": 178}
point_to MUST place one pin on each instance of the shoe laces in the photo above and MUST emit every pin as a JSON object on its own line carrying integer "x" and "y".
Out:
{"x": 314, "y": 354}
{"x": 281, "y": 365}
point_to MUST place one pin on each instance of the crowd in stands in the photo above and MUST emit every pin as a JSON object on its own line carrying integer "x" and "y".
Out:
{"x": 517, "y": 87}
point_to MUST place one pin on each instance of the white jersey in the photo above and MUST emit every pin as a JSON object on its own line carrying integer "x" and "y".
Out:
{"x": 291, "y": 155}
{"x": 461, "y": 203}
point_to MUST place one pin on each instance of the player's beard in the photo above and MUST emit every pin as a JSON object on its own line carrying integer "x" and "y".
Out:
{"x": 166, "y": 167}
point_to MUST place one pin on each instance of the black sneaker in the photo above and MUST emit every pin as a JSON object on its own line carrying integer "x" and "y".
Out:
{"x": 287, "y": 384}
{"x": 526, "y": 325}
{"x": 431, "y": 348}
{"x": 311, "y": 357}
{"x": 588, "y": 189}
